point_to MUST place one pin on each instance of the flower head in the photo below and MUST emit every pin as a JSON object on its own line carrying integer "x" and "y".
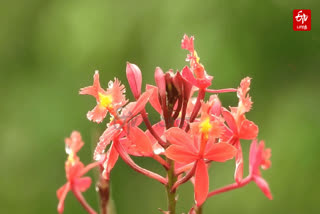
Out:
{"x": 238, "y": 126}
{"x": 196, "y": 74}
{"x": 109, "y": 100}
{"x": 259, "y": 157}
{"x": 187, "y": 148}
{"x": 75, "y": 170}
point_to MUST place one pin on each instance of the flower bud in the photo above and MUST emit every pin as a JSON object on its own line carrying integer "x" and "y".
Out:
{"x": 134, "y": 78}
{"x": 160, "y": 81}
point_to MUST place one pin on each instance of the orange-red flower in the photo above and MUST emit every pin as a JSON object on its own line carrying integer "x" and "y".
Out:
{"x": 259, "y": 157}
{"x": 187, "y": 148}
{"x": 196, "y": 74}
{"x": 239, "y": 126}
{"x": 109, "y": 100}
{"x": 75, "y": 170}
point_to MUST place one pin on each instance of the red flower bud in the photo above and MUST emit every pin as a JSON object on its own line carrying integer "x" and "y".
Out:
{"x": 160, "y": 81}
{"x": 134, "y": 78}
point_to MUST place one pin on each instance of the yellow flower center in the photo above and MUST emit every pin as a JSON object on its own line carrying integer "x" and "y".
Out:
{"x": 205, "y": 126}
{"x": 105, "y": 100}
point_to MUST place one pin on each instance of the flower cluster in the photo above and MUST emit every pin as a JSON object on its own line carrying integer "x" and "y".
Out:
{"x": 191, "y": 134}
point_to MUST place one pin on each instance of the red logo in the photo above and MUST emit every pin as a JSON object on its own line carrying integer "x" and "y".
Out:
{"x": 301, "y": 20}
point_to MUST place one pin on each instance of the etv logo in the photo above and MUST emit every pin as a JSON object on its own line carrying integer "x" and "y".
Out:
{"x": 301, "y": 20}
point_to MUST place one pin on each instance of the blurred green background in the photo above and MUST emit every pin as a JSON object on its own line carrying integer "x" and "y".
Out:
{"x": 49, "y": 49}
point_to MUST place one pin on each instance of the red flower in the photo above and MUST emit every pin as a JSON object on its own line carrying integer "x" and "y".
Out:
{"x": 109, "y": 100}
{"x": 239, "y": 126}
{"x": 186, "y": 148}
{"x": 119, "y": 126}
{"x": 259, "y": 157}
{"x": 201, "y": 79}
{"x": 74, "y": 173}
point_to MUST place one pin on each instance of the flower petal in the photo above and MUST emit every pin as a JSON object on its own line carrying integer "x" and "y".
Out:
{"x": 94, "y": 89}
{"x": 83, "y": 183}
{"x": 97, "y": 114}
{"x": 140, "y": 141}
{"x": 238, "y": 174}
{"x": 201, "y": 186}
{"x": 230, "y": 121}
{"x": 263, "y": 185}
{"x": 220, "y": 152}
{"x": 187, "y": 43}
{"x": 140, "y": 104}
{"x": 111, "y": 159}
{"x": 248, "y": 130}
{"x": 62, "y": 193}
{"x": 104, "y": 141}
{"x": 154, "y": 98}
{"x": 180, "y": 154}
{"x": 179, "y": 137}
{"x": 134, "y": 78}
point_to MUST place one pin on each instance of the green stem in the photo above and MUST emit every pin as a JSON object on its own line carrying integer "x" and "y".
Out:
{"x": 172, "y": 178}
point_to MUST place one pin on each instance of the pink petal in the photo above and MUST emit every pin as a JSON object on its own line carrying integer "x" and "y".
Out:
{"x": 180, "y": 154}
{"x": 104, "y": 141}
{"x": 179, "y": 137}
{"x": 238, "y": 174}
{"x": 83, "y": 183}
{"x": 117, "y": 92}
{"x": 187, "y": 43}
{"x": 111, "y": 159}
{"x": 134, "y": 78}
{"x": 154, "y": 98}
{"x": 263, "y": 185}
{"x": 97, "y": 114}
{"x": 94, "y": 89}
{"x": 220, "y": 152}
{"x": 253, "y": 156}
{"x": 227, "y": 134}
{"x": 140, "y": 140}
{"x": 201, "y": 186}
{"x": 248, "y": 130}
{"x": 140, "y": 104}
{"x": 160, "y": 81}
{"x": 62, "y": 193}
{"x": 230, "y": 121}
{"x": 198, "y": 82}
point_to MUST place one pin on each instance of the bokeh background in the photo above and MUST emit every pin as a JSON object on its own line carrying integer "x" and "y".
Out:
{"x": 49, "y": 49}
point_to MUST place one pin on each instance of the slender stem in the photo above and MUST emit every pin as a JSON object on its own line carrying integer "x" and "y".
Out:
{"x": 197, "y": 106}
{"x": 126, "y": 158}
{"x": 217, "y": 91}
{"x": 185, "y": 178}
{"x": 89, "y": 167}
{"x": 149, "y": 127}
{"x": 177, "y": 111}
{"x": 161, "y": 161}
{"x": 198, "y": 210}
{"x": 83, "y": 201}
{"x": 183, "y": 113}
{"x": 231, "y": 187}
{"x": 171, "y": 194}
{"x": 104, "y": 190}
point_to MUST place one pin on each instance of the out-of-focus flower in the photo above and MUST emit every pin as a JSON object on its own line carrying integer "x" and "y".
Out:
{"x": 259, "y": 157}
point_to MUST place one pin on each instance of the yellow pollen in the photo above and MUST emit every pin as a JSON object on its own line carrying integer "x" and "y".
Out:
{"x": 71, "y": 159}
{"x": 205, "y": 126}
{"x": 105, "y": 100}
{"x": 196, "y": 55}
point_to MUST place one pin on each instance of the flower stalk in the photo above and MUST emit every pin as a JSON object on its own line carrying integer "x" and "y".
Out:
{"x": 192, "y": 133}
